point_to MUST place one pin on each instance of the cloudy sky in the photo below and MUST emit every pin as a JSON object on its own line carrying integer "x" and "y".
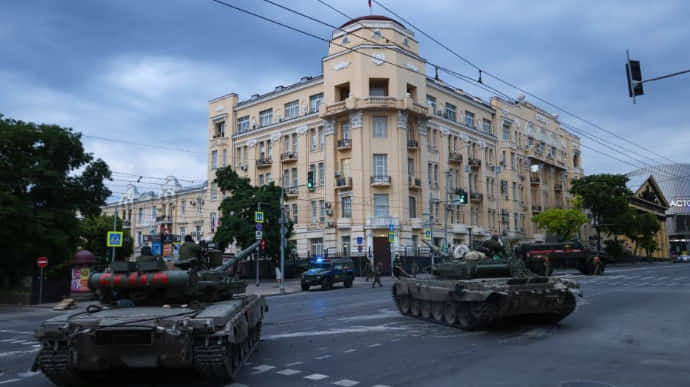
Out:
{"x": 135, "y": 76}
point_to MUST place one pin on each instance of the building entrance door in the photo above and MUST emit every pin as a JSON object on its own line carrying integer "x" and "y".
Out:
{"x": 381, "y": 255}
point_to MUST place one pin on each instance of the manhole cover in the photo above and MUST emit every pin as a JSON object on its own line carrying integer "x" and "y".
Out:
{"x": 585, "y": 383}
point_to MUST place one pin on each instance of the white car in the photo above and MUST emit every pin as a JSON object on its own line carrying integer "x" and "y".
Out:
{"x": 682, "y": 258}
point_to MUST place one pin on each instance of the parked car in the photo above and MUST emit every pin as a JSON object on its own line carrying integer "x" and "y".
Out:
{"x": 326, "y": 272}
{"x": 682, "y": 258}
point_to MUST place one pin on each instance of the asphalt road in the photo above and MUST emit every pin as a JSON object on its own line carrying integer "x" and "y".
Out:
{"x": 631, "y": 328}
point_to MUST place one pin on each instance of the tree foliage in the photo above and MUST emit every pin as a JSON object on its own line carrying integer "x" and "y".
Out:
{"x": 46, "y": 177}
{"x": 237, "y": 213}
{"x": 561, "y": 221}
{"x": 641, "y": 229}
{"x": 94, "y": 230}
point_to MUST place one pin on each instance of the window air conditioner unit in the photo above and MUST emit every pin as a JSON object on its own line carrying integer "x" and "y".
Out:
{"x": 327, "y": 204}
{"x": 331, "y": 224}
{"x": 329, "y": 212}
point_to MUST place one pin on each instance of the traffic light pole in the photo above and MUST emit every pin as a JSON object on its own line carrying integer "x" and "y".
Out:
{"x": 258, "y": 254}
{"x": 446, "y": 205}
{"x": 114, "y": 229}
{"x": 431, "y": 224}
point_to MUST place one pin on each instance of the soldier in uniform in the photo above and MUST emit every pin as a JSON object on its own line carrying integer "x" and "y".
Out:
{"x": 493, "y": 246}
{"x": 189, "y": 252}
{"x": 597, "y": 265}
{"x": 367, "y": 269}
{"x": 377, "y": 276}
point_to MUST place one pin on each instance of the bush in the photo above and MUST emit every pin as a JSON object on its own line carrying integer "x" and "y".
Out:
{"x": 614, "y": 248}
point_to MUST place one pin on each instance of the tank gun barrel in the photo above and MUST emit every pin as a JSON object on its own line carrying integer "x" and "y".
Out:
{"x": 241, "y": 256}
{"x": 435, "y": 249}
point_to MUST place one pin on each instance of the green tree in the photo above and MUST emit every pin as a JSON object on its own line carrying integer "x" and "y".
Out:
{"x": 94, "y": 230}
{"x": 46, "y": 177}
{"x": 606, "y": 197}
{"x": 561, "y": 221}
{"x": 642, "y": 229}
{"x": 237, "y": 213}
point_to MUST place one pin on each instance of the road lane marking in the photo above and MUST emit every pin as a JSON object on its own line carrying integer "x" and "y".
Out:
{"x": 350, "y": 350}
{"x": 28, "y": 373}
{"x": 13, "y": 353}
{"x": 294, "y": 364}
{"x": 237, "y": 385}
{"x": 316, "y": 377}
{"x": 394, "y": 340}
{"x": 339, "y": 331}
{"x": 322, "y": 357}
{"x": 375, "y": 345}
{"x": 261, "y": 369}
{"x": 346, "y": 383}
{"x": 15, "y": 331}
{"x": 10, "y": 381}
{"x": 288, "y": 372}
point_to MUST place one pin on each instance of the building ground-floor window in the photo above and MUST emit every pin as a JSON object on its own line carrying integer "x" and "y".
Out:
{"x": 316, "y": 246}
{"x": 346, "y": 246}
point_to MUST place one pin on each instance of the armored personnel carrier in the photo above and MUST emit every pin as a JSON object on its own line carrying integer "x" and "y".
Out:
{"x": 471, "y": 290}
{"x": 193, "y": 317}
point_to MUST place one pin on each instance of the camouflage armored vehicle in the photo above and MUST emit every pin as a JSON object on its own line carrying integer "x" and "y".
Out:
{"x": 192, "y": 318}
{"x": 561, "y": 254}
{"x": 481, "y": 287}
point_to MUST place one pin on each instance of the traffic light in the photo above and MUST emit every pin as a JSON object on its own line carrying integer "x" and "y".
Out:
{"x": 310, "y": 180}
{"x": 263, "y": 245}
{"x": 634, "y": 73}
{"x": 108, "y": 255}
{"x": 460, "y": 197}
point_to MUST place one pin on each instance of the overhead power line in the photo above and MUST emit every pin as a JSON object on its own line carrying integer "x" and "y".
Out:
{"x": 142, "y": 145}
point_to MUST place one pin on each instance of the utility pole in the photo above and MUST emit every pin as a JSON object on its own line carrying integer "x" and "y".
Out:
{"x": 282, "y": 238}
{"x": 258, "y": 254}
{"x": 446, "y": 205}
{"x": 431, "y": 224}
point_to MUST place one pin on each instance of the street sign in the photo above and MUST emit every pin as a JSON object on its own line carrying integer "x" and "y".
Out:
{"x": 391, "y": 227}
{"x": 427, "y": 234}
{"x": 114, "y": 238}
{"x": 259, "y": 226}
{"x": 259, "y": 217}
{"x": 259, "y": 235}
{"x": 42, "y": 262}
{"x": 359, "y": 240}
{"x": 391, "y": 237}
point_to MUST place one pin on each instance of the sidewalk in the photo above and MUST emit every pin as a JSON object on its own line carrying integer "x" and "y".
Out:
{"x": 268, "y": 287}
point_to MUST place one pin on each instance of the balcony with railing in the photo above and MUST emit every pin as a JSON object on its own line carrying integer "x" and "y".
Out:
{"x": 476, "y": 197}
{"x": 288, "y": 156}
{"x": 558, "y": 187}
{"x": 412, "y": 144}
{"x": 474, "y": 163}
{"x": 416, "y": 223}
{"x": 414, "y": 182}
{"x": 291, "y": 192}
{"x": 343, "y": 183}
{"x": 335, "y": 108}
{"x": 454, "y": 157}
{"x": 219, "y": 141}
{"x": 536, "y": 209}
{"x": 382, "y": 222}
{"x": 534, "y": 179}
{"x": 381, "y": 181}
{"x": 264, "y": 162}
{"x": 163, "y": 219}
{"x": 126, "y": 224}
{"x": 375, "y": 102}
{"x": 344, "y": 143}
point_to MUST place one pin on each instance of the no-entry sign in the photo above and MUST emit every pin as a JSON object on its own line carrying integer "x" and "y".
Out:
{"x": 42, "y": 262}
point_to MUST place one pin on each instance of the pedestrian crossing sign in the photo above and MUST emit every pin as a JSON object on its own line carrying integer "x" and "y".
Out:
{"x": 114, "y": 239}
{"x": 427, "y": 234}
{"x": 258, "y": 217}
{"x": 391, "y": 237}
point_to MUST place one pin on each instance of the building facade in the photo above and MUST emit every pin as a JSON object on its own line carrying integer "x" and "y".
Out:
{"x": 173, "y": 209}
{"x": 388, "y": 146}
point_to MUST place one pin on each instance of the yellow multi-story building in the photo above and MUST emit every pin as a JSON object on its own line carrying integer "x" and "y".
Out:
{"x": 387, "y": 146}
{"x": 172, "y": 209}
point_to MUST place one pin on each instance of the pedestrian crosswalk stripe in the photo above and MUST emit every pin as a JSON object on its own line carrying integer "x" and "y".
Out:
{"x": 294, "y": 364}
{"x": 375, "y": 345}
{"x": 346, "y": 383}
{"x": 322, "y": 357}
{"x": 316, "y": 377}
{"x": 261, "y": 369}
{"x": 10, "y": 381}
{"x": 288, "y": 372}
{"x": 350, "y": 350}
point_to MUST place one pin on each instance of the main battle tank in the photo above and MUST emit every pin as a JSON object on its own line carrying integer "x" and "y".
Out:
{"x": 471, "y": 290}
{"x": 193, "y": 317}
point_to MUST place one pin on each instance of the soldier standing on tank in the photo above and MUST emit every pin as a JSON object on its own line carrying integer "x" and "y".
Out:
{"x": 377, "y": 276}
{"x": 493, "y": 246}
{"x": 189, "y": 250}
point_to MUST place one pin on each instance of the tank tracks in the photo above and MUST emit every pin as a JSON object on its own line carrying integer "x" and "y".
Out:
{"x": 220, "y": 362}
{"x": 471, "y": 315}
{"x": 56, "y": 366}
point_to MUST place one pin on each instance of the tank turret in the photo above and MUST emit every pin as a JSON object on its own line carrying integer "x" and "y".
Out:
{"x": 148, "y": 280}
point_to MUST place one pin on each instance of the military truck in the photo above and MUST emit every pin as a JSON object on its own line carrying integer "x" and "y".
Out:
{"x": 326, "y": 272}
{"x": 194, "y": 317}
{"x": 541, "y": 258}
{"x": 481, "y": 287}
